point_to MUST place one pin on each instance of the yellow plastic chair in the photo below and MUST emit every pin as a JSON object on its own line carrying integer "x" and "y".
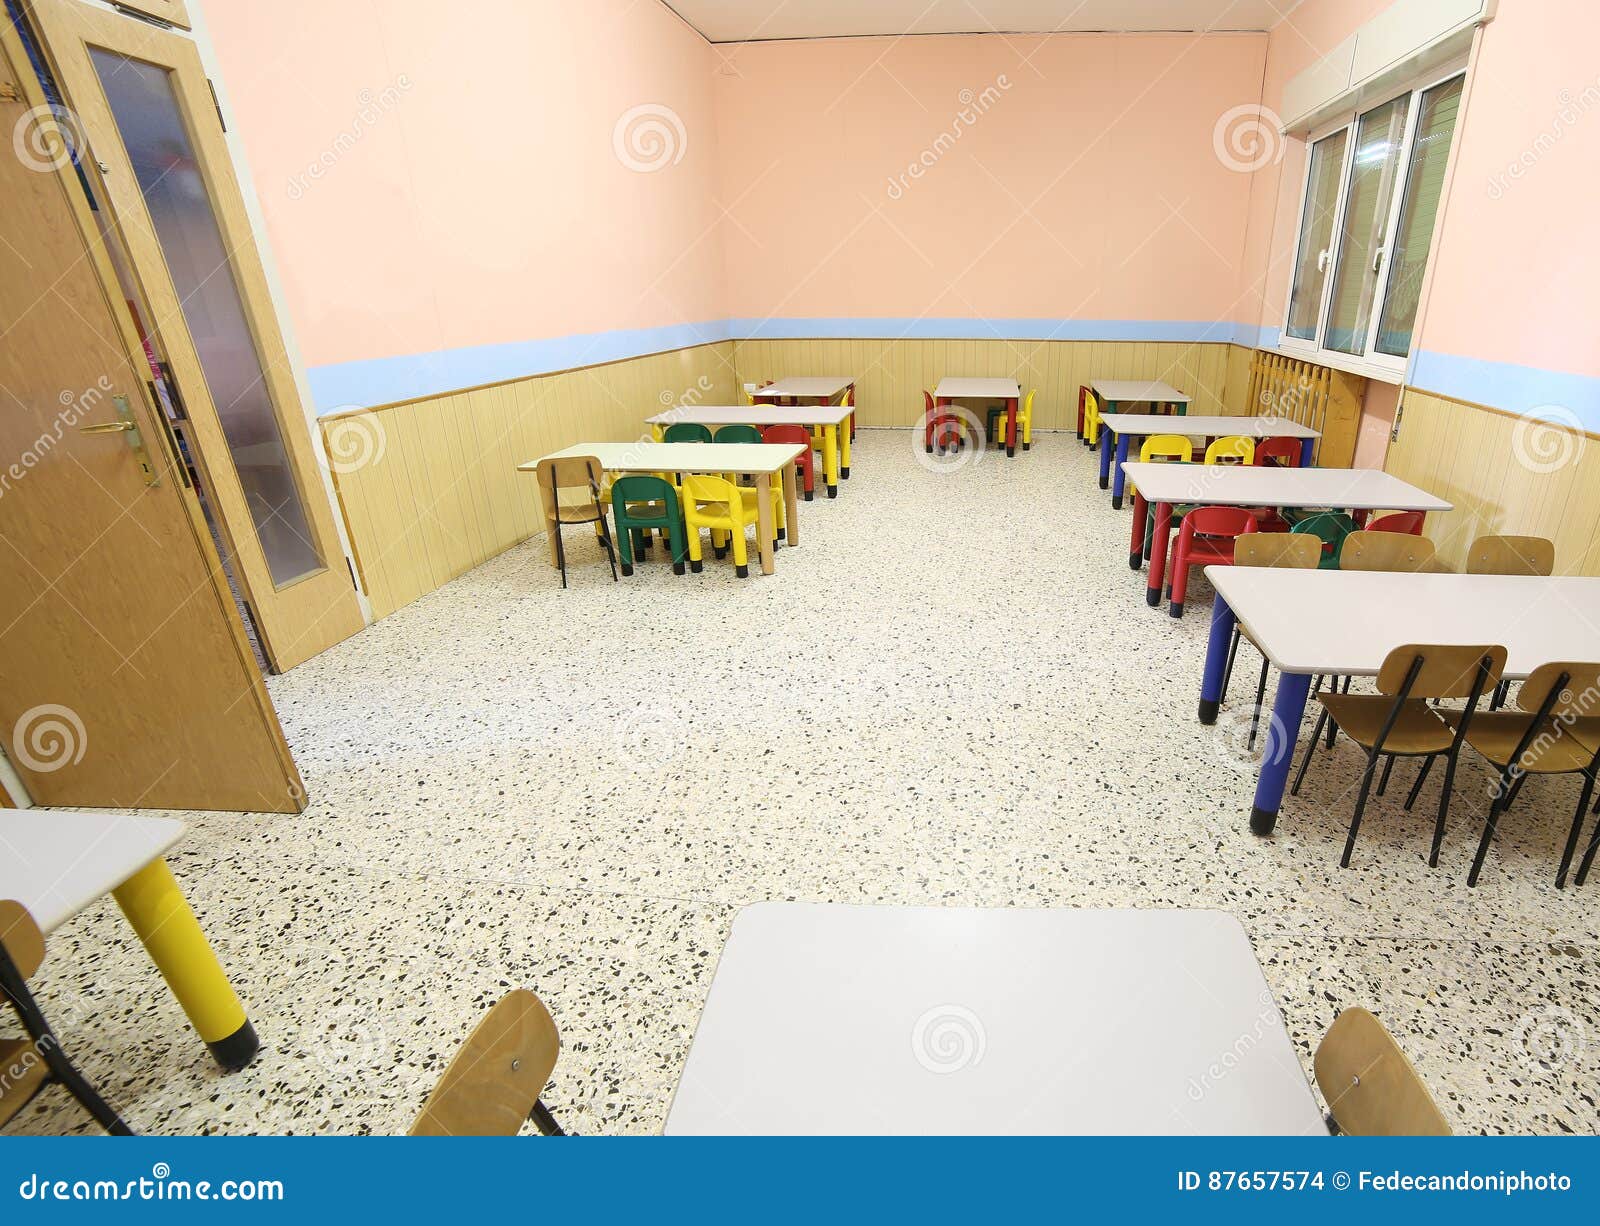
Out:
{"x": 1025, "y": 418}
{"x": 1091, "y": 417}
{"x": 1232, "y": 449}
{"x": 1166, "y": 449}
{"x": 719, "y": 505}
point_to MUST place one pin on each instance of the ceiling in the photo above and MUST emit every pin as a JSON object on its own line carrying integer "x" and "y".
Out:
{"x": 737, "y": 21}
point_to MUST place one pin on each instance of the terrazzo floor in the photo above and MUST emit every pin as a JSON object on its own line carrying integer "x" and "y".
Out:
{"x": 951, "y": 693}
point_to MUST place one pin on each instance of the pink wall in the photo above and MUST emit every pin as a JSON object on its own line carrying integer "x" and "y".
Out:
{"x": 1085, "y": 186}
{"x": 470, "y": 192}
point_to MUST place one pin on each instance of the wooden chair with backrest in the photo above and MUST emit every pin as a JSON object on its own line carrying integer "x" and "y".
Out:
{"x": 1556, "y": 732}
{"x": 1369, "y": 1085}
{"x": 28, "y": 1064}
{"x": 582, "y": 473}
{"x": 1387, "y": 551}
{"x": 1510, "y": 555}
{"x": 1398, "y": 722}
{"x": 1277, "y": 549}
{"x": 495, "y": 1080}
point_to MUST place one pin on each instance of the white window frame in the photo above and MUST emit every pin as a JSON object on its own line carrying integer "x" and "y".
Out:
{"x": 1369, "y": 362}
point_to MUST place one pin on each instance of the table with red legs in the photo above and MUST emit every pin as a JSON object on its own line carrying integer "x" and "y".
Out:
{"x": 800, "y": 390}
{"x": 953, "y": 388}
{"x": 1163, "y": 486}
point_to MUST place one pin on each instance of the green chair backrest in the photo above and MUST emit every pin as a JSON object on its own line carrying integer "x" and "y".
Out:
{"x": 642, "y": 489}
{"x": 738, "y": 434}
{"x": 1330, "y": 527}
{"x": 686, "y": 432}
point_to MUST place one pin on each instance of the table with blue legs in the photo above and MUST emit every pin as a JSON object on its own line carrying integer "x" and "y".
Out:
{"x": 1125, "y": 427}
{"x": 1332, "y": 622}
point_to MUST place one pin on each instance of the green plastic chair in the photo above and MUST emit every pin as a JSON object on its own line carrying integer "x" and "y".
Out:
{"x": 686, "y": 432}
{"x": 639, "y": 504}
{"x": 1331, "y": 527}
{"x": 738, "y": 434}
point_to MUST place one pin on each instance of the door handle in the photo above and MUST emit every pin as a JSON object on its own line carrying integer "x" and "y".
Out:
{"x": 107, "y": 427}
{"x": 126, "y": 425}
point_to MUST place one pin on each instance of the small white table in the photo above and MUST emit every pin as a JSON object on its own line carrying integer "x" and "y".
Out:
{"x": 759, "y": 460}
{"x": 1128, "y": 426}
{"x": 1345, "y": 622}
{"x": 1113, "y": 392}
{"x": 807, "y": 387}
{"x": 952, "y": 388}
{"x": 829, "y": 1018}
{"x": 831, "y": 419}
{"x": 1163, "y": 486}
{"x": 56, "y": 862}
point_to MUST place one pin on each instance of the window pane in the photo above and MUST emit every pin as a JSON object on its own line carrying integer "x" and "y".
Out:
{"x": 174, "y": 191}
{"x": 1436, "y": 124}
{"x": 1373, "y": 177}
{"x": 1316, "y": 234}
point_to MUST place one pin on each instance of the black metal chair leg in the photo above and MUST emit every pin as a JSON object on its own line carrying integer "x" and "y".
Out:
{"x": 611, "y": 550}
{"x": 1588, "y": 856}
{"x": 1305, "y": 760}
{"x": 1227, "y": 672}
{"x": 561, "y": 553}
{"x": 1388, "y": 769}
{"x": 544, "y": 1121}
{"x": 1577, "y": 829}
{"x": 1495, "y": 809}
{"x": 1516, "y": 790}
{"x": 1361, "y": 804}
{"x": 1422, "y": 776}
{"x": 1261, "y": 697}
{"x": 1445, "y": 789}
{"x": 1499, "y": 698}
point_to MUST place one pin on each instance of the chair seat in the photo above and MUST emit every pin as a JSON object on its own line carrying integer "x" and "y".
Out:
{"x": 1211, "y": 549}
{"x": 1417, "y": 730}
{"x": 587, "y": 513}
{"x": 1496, "y": 735}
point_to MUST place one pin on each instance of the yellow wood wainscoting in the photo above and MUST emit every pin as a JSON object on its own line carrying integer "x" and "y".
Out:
{"x": 1505, "y": 474}
{"x": 429, "y": 487}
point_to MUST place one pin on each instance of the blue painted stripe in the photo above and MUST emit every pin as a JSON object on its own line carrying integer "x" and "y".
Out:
{"x": 1505, "y": 385}
{"x": 907, "y": 328}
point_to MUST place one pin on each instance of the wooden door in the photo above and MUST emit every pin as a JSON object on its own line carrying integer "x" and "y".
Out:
{"x": 126, "y": 679}
{"x": 145, "y": 111}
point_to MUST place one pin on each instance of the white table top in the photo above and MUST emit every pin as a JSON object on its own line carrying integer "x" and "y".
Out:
{"x": 642, "y": 457}
{"x": 56, "y": 862}
{"x": 1123, "y": 391}
{"x": 1332, "y": 621}
{"x": 755, "y": 415}
{"x": 1245, "y": 485}
{"x": 913, "y": 1020}
{"x": 992, "y": 389}
{"x": 807, "y": 385}
{"x": 1208, "y": 427}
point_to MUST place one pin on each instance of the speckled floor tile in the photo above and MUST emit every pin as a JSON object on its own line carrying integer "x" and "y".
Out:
{"x": 951, "y": 693}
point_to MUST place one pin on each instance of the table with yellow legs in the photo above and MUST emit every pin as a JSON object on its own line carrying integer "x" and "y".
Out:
{"x": 56, "y": 862}
{"x": 821, "y": 392}
{"x": 833, "y": 421}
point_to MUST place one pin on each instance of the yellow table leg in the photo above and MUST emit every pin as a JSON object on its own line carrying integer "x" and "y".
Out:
{"x": 830, "y": 459}
{"x": 161, "y": 917}
{"x": 844, "y": 446}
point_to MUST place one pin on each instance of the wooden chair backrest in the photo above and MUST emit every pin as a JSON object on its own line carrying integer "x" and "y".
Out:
{"x": 1369, "y": 1085}
{"x": 1386, "y": 551}
{"x": 21, "y": 936}
{"x": 1511, "y": 555}
{"x": 1579, "y": 697}
{"x": 490, "y": 1087}
{"x": 1282, "y": 549}
{"x": 1447, "y": 671}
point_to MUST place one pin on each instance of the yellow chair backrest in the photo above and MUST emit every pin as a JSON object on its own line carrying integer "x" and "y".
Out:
{"x": 1511, "y": 555}
{"x": 1091, "y": 407}
{"x": 702, "y": 487}
{"x": 1233, "y": 449}
{"x": 491, "y": 1086}
{"x": 1369, "y": 1085}
{"x": 1165, "y": 448}
{"x": 1027, "y": 402}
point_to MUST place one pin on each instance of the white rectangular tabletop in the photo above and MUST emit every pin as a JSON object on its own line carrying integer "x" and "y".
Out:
{"x": 755, "y": 415}
{"x": 1245, "y": 485}
{"x": 1208, "y": 427}
{"x": 55, "y": 862}
{"x": 1332, "y": 621}
{"x": 807, "y": 385}
{"x": 991, "y": 389}
{"x": 1124, "y": 391}
{"x": 641, "y": 457}
{"x": 904, "y": 1020}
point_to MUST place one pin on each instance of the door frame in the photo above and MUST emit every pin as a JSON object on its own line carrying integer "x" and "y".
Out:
{"x": 306, "y": 615}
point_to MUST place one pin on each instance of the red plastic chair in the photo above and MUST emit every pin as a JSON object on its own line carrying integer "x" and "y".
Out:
{"x": 1400, "y": 521}
{"x": 805, "y": 462}
{"x": 1284, "y": 452}
{"x": 1083, "y": 397}
{"x": 940, "y": 419}
{"x": 1206, "y": 539}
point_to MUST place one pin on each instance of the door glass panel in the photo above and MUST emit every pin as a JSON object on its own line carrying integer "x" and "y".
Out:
{"x": 1373, "y": 178}
{"x": 151, "y": 126}
{"x": 1430, "y": 150}
{"x": 1316, "y": 234}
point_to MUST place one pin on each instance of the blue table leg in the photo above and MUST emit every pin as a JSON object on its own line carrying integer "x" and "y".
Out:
{"x": 1119, "y": 479}
{"x": 1105, "y": 456}
{"x": 1288, "y": 709}
{"x": 1308, "y": 447}
{"x": 1222, "y": 621}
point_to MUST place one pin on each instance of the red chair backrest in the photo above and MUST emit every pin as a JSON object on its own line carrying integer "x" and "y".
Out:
{"x": 927, "y": 401}
{"x": 1221, "y": 521}
{"x": 1400, "y": 521}
{"x": 786, "y": 434}
{"x": 1270, "y": 450}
